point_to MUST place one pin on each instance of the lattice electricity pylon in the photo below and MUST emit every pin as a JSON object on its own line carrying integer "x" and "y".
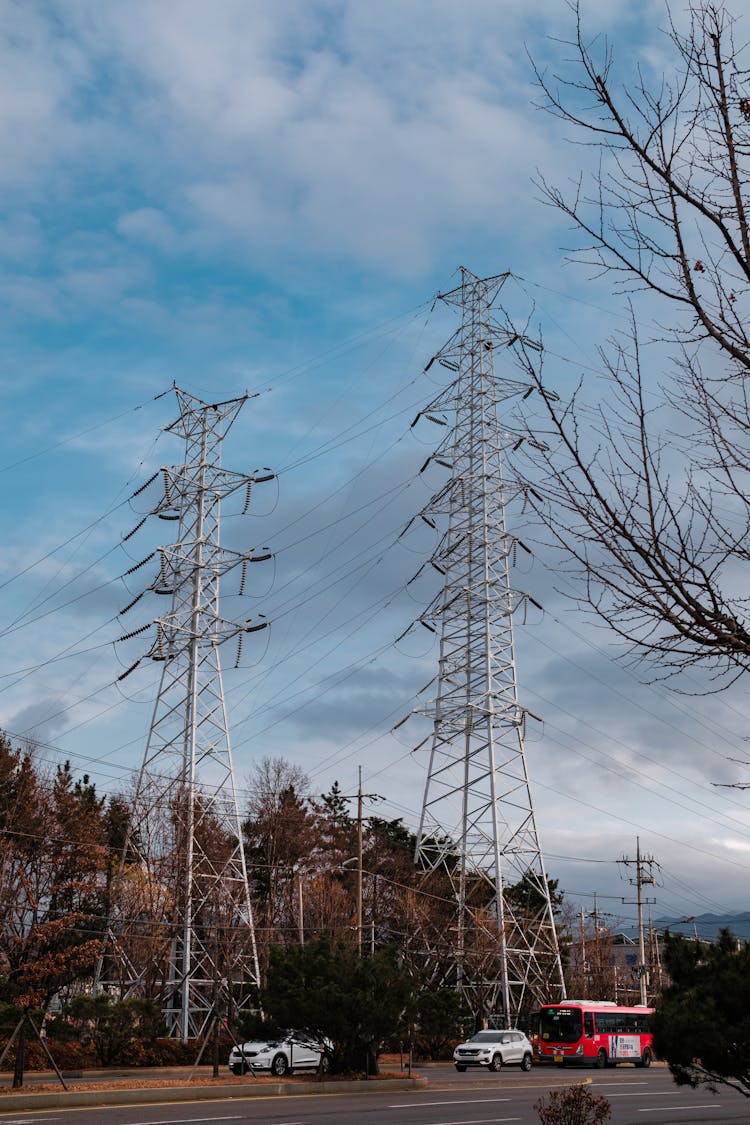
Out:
{"x": 184, "y": 925}
{"x": 478, "y": 826}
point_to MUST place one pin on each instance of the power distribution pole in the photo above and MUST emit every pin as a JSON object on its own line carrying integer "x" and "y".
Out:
{"x": 185, "y": 928}
{"x": 360, "y": 798}
{"x": 359, "y": 862}
{"x": 643, "y": 877}
{"x": 478, "y": 824}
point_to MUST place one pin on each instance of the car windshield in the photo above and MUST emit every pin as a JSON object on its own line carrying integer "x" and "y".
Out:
{"x": 488, "y": 1037}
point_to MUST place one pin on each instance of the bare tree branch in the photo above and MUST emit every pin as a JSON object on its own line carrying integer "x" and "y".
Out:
{"x": 648, "y": 497}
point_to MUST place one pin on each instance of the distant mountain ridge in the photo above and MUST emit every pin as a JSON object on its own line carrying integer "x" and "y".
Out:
{"x": 705, "y": 926}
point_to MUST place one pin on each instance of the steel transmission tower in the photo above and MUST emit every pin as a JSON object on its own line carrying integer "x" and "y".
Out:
{"x": 478, "y": 825}
{"x": 184, "y": 931}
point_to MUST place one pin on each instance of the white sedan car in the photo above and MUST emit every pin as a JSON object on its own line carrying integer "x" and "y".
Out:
{"x": 493, "y": 1049}
{"x": 287, "y": 1053}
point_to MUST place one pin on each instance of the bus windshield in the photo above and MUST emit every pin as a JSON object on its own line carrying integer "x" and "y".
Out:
{"x": 560, "y": 1025}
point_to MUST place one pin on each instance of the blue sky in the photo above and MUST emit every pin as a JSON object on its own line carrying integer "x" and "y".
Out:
{"x": 239, "y": 195}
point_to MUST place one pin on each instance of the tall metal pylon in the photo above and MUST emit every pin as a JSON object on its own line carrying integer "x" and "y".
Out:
{"x": 478, "y": 824}
{"x": 184, "y": 929}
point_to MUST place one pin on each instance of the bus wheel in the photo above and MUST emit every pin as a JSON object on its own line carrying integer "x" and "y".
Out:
{"x": 646, "y": 1058}
{"x": 601, "y": 1059}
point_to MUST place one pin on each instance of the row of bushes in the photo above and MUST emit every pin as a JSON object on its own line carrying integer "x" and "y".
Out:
{"x": 81, "y": 1055}
{"x": 76, "y": 1055}
{"x": 96, "y": 1031}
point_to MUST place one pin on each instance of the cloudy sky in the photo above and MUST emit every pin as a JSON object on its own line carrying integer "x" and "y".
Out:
{"x": 239, "y": 196}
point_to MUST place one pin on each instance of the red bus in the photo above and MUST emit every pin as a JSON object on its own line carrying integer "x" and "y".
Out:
{"x": 596, "y": 1032}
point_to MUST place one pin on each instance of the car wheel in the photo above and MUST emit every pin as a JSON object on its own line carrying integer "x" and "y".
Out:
{"x": 646, "y": 1058}
{"x": 526, "y": 1062}
{"x": 496, "y": 1062}
{"x": 279, "y": 1066}
{"x": 601, "y": 1059}
{"x": 325, "y": 1064}
{"x": 461, "y": 1067}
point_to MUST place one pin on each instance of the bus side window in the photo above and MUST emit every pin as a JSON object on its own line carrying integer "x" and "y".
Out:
{"x": 588, "y": 1024}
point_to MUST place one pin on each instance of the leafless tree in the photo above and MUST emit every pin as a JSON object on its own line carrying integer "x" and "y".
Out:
{"x": 279, "y": 837}
{"x": 646, "y": 491}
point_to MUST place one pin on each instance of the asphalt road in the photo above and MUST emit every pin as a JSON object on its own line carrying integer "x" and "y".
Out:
{"x": 636, "y": 1096}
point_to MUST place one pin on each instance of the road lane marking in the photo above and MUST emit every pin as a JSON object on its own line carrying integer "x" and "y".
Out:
{"x": 188, "y": 1120}
{"x": 617, "y": 1085}
{"x": 460, "y": 1101}
{"x": 684, "y": 1108}
{"x": 477, "y": 1121}
{"x": 647, "y": 1094}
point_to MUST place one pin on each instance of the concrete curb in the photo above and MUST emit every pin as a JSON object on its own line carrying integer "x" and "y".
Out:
{"x": 71, "y": 1099}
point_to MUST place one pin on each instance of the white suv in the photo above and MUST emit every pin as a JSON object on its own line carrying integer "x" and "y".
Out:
{"x": 493, "y": 1049}
{"x": 287, "y": 1053}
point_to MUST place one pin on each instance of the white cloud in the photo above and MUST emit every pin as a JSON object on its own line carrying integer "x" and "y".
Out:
{"x": 149, "y": 225}
{"x": 369, "y": 137}
{"x": 733, "y": 845}
{"x": 39, "y": 70}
